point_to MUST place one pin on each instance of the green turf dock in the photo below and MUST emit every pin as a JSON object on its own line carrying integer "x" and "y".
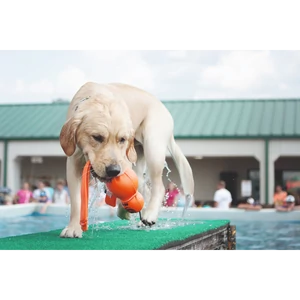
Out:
{"x": 122, "y": 235}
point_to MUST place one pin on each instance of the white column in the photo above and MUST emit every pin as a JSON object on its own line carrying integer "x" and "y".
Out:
{"x": 262, "y": 181}
{"x": 1, "y": 163}
{"x": 271, "y": 175}
{"x": 14, "y": 173}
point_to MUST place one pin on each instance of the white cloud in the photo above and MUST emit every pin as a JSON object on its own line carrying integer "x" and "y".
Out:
{"x": 283, "y": 86}
{"x": 43, "y": 86}
{"x": 19, "y": 86}
{"x": 65, "y": 85}
{"x": 239, "y": 70}
{"x": 122, "y": 66}
{"x": 166, "y": 74}
{"x": 69, "y": 81}
{"x": 177, "y": 54}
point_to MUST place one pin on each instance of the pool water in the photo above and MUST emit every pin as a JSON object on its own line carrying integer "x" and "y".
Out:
{"x": 280, "y": 235}
{"x": 36, "y": 223}
{"x": 269, "y": 235}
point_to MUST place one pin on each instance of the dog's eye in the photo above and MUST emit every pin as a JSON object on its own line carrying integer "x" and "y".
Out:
{"x": 122, "y": 140}
{"x": 98, "y": 138}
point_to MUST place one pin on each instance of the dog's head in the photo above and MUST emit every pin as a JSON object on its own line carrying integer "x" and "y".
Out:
{"x": 103, "y": 131}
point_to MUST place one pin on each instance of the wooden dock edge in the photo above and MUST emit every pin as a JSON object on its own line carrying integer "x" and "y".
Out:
{"x": 222, "y": 238}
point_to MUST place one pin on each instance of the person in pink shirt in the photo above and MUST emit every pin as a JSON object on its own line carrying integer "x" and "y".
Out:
{"x": 24, "y": 195}
{"x": 171, "y": 195}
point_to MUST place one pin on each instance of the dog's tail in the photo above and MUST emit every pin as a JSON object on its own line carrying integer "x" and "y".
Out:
{"x": 184, "y": 170}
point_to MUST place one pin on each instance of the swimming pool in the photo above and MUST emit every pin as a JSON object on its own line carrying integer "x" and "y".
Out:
{"x": 37, "y": 223}
{"x": 251, "y": 235}
{"x": 269, "y": 235}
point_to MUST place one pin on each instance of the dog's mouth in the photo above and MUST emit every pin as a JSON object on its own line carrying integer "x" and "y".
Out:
{"x": 102, "y": 179}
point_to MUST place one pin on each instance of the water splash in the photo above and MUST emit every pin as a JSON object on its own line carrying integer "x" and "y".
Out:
{"x": 67, "y": 214}
{"x": 188, "y": 198}
{"x": 161, "y": 225}
{"x": 133, "y": 221}
{"x": 99, "y": 188}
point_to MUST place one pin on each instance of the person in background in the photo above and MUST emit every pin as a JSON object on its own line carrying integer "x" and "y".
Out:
{"x": 49, "y": 188}
{"x": 42, "y": 195}
{"x": 171, "y": 194}
{"x": 279, "y": 196}
{"x": 222, "y": 197}
{"x": 180, "y": 199}
{"x": 206, "y": 205}
{"x": 9, "y": 200}
{"x": 60, "y": 195}
{"x": 24, "y": 195}
{"x": 250, "y": 204}
{"x": 288, "y": 205}
{"x": 5, "y": 196}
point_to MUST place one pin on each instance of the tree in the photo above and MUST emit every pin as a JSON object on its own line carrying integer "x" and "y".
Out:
{"x": 60, "y": 100}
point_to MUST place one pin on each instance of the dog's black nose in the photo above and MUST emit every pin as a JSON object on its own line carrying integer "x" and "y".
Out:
{"x": 113, "y": 170}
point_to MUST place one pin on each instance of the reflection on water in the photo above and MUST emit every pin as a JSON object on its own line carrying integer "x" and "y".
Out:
{"x": 268, "y": 235}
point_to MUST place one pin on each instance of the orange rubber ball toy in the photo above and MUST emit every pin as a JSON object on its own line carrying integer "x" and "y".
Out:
{"x": 125, "y": 188}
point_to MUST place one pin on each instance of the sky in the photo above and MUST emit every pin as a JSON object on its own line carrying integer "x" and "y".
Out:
{"x": 44, "y": 76}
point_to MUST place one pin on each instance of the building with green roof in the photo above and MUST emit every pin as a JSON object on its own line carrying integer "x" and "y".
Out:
{"x": 251, "y": 144}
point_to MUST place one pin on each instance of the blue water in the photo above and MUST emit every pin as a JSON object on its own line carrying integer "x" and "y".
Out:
{"x": 34, "y": 224}
{"x": 258, "y": 235}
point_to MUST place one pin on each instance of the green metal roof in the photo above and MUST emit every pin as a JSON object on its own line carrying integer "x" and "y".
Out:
{"x": 32, "y": 121}
{"x": 193, "y": 119}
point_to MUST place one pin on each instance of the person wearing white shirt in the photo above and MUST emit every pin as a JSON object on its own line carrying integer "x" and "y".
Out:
{"x": 60, "y": 196}
{"x": 222, "y": 197}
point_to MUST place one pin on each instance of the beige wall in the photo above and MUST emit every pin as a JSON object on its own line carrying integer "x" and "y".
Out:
{"x": 51, "y": 169}
{"x": 206, "y": 173}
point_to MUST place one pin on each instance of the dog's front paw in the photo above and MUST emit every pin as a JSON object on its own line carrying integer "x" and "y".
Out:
{"x": 149, "y": 218}
{"x": 72, "y": 231}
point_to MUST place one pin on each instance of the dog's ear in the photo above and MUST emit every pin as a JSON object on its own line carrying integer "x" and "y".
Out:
{"x": 68, "y": 136}
{"x": 130, "y": 152}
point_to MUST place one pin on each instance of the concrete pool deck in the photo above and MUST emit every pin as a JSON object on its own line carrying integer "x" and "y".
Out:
{"x": 233, "y": 214}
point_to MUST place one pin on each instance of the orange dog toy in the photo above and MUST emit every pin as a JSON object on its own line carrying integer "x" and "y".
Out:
{"x": 85, "y": 179}
{"x": 125, "y": 188}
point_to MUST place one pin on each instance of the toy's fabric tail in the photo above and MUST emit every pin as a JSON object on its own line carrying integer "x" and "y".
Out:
{"x": 85, "y": 179}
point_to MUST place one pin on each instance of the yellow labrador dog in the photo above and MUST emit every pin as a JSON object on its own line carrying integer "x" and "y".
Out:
{"x": 116, "y": 126}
